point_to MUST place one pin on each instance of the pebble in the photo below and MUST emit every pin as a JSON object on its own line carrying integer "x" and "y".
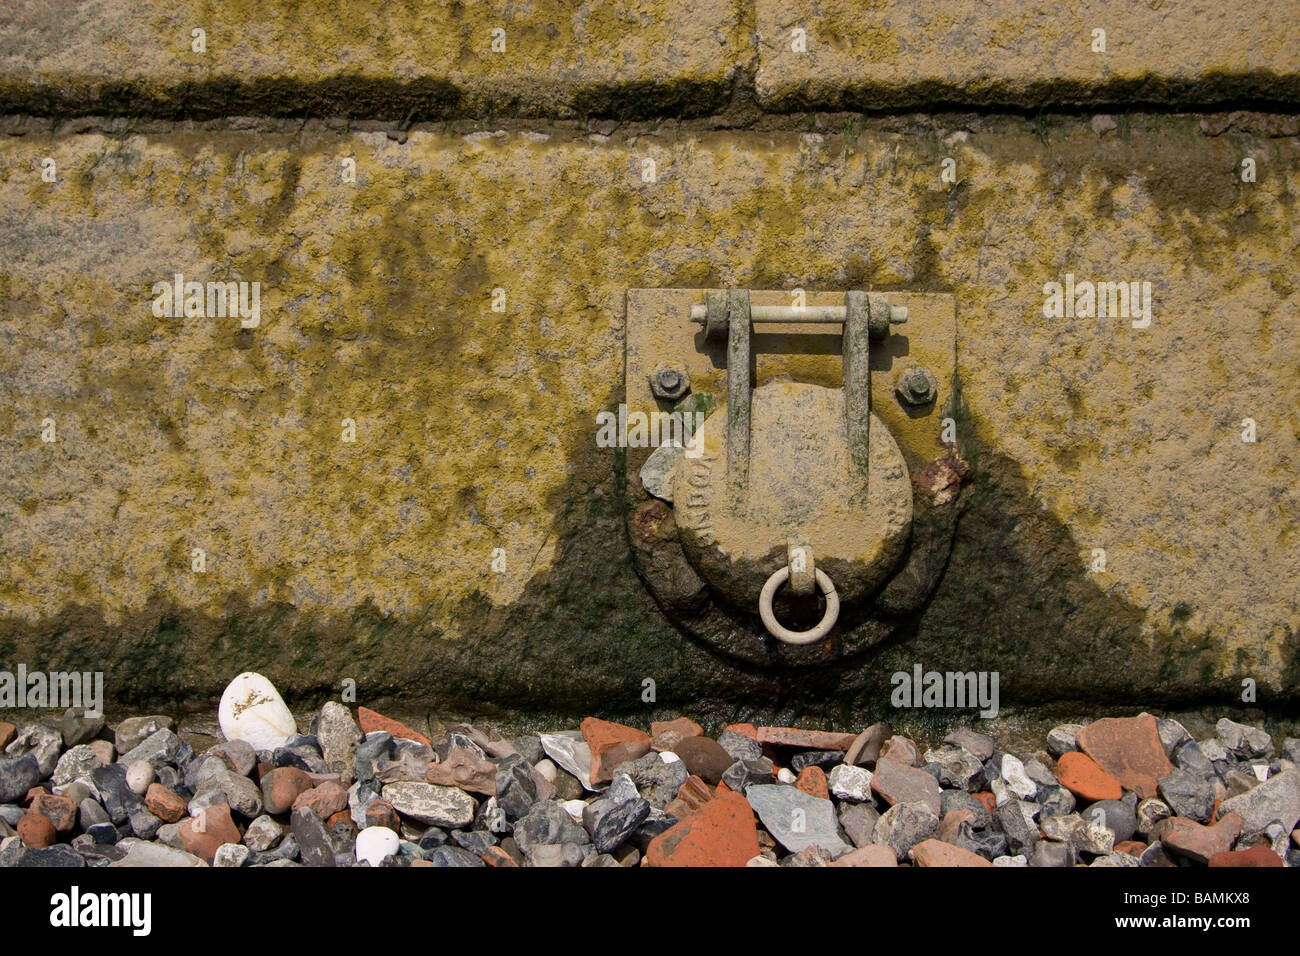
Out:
{"x": 895, "y": 783}
{"x": 262, "y": 834}
{"x": 797, "y": 819}
{"x": 252, "y": 710}
{"x": 739, "y": 746}
{"x": 430, "y": 803}
{"x": 1278, "y": 798}
{"x": 903, "y": 826}
{"x": 376, "y": 844}
{"x": 76, "y": 763}
{"x": 571, "y": 752}
{"x": 1063, "y": 739}
{"x": 1188, "y": 794}
{"x": 1013, "y": 773}
{"x": 139, "y": 775}
{"x": 1242, "y": 740}
{"x": 231, "y": 854}
{"x": 17, "y": 776}
{"x": 847, "y": 782}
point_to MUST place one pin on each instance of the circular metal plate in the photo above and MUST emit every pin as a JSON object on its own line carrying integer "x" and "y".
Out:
{"x": 801, "y": 484}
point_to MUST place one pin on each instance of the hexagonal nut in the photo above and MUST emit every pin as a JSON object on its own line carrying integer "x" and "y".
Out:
{"x": 670, "y": 382}
{"x": 917, "y": 386}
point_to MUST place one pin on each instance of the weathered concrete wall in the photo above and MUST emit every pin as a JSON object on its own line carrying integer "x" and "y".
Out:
{"x": 476, "y": 429}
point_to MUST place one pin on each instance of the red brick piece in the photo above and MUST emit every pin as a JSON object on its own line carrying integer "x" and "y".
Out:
{"x": 1256, "y": 856}
{"x": 1199, "y": 843}
{"x": 7, "y": 733}
{"x": 938, "y": 853}
{"x": 812, "y": 781}
{"x": 721, "y": 833}
{"x": 341, "y": 819}
{"x": 495, "y": 856}
{"x": 1129, "y": 749}
{"x": 37, "y": 832}
{"x": 202, "y": 834}
{"x": 381, "y": 814}
{"x": 612, "y": 744}
{"x": 804, "y": 739}
{"x": 667, "y": 734}
{"x": 1131, "y": 847}
{"x": 371, "y": 722}
{"x": 162, "y": 803}
{"x": 282, "y": 786}
{"x": 1080, "y": 774}
{"x": 324, "y": 800}
{"x": 60, "y": 811}
{"x": 873, "y": 855}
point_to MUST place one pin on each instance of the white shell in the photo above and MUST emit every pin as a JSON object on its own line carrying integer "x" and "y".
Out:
{"x": 375, "y": 844}
{"x": 253, "y": 710}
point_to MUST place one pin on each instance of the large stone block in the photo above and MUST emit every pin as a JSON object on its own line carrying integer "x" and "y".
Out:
{"x": 897, "y": 53}
{"x": 396, "y": 61}
{"x": 475, "y": 429}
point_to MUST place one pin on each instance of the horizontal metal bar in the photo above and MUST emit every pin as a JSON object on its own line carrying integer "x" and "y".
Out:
{"x": 788, "y": 313}
{"x": 781, "y": 313}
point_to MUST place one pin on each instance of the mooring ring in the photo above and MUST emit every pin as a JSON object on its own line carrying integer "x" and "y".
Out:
{"x": 774, "y": 627}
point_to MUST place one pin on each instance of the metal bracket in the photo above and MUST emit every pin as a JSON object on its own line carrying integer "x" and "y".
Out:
{"x": 729, "y": 341}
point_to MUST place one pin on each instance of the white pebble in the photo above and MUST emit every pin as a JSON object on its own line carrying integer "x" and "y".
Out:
{"x": 253, "y": 710}
{"x": 376, "y": 844}
{"x": 786, "y": 775}
{"x": 138, "y": 777}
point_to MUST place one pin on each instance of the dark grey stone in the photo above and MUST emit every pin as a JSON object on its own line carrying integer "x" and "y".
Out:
{"x": 658, "y": 782}
{"x": 739, "y": 746}
{"x": 826, "y": 759}
{"x": 1188, "y": 794}
{"x": 610, "y": 823}
{"x": 314, "y": 844}
{"x": 961, "y": 800}
{"x": 516, "y": 791}
{"x": 1055, "y": 802}
{"x": 547, "y": 822}
{"x": 369, "y": 751}
{"x": 1116, "y": 815}
{"x": 18, "y": 775}
{"x": 989, "y": 844}
{"x": 452, "y": 856}
{"x": 476, "y": 841}
{"x": 743, "y": 774}
{"x": 110, "y": 781}
{"x": 1021, "y": 833}
{"x": 60, "y": 855}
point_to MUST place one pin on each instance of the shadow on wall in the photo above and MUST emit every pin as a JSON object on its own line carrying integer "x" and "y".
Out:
{"x": 586, "y": 636}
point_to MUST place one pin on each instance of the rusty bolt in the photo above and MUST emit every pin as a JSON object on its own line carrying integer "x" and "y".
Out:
{"x": 917, "y": 386}
{"x": 670, "y": 382}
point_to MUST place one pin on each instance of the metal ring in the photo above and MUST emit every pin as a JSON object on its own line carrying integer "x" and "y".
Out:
{"x": 778, "y": 578}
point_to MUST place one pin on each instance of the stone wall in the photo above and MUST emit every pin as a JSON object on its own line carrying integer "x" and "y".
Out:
{"x": 475, "y": 429}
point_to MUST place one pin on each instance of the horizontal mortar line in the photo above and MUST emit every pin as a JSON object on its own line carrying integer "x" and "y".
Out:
{"x": 22, "y": 123}
{"x": 436, "y": 100}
